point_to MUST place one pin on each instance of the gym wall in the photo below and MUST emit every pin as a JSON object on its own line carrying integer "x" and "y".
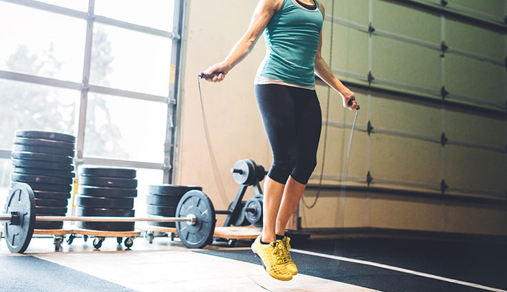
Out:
{"x": 435, "y": 147}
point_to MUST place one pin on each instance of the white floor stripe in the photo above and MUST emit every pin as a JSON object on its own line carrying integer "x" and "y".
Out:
{"x": 399, "y": 270}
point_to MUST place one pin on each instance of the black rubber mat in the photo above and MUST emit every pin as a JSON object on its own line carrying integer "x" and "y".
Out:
{"x": 27, "y": 273}
{"x": 453, "y": 261}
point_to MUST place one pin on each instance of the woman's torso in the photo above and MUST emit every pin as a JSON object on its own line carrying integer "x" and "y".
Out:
{"x": 292, "y": 38}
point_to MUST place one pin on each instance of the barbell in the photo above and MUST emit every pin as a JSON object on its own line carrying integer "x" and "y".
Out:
{"x": 195, "y": 218}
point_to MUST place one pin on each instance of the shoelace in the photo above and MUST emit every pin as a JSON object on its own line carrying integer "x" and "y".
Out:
{"x": 287, "y": 248}
{"x": 278, "y": 251}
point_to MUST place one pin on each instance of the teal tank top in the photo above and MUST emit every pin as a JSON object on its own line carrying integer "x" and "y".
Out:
{"x": 292, "y": 39}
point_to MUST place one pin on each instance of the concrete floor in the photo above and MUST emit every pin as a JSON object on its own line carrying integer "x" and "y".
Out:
{"x": 364, "y": 265}
{"x": 167, "y": 265}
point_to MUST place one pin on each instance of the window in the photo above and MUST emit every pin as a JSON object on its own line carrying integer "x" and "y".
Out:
{"x": 99, "y": 70}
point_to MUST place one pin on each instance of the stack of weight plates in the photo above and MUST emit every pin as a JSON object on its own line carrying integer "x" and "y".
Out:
{"x": 44, "y": 160}
{"x": 163, "y": 200}
{"x": 106, "y": 192}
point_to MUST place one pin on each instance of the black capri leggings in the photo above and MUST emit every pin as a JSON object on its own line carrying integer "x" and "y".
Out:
{"x": 293, "y": 120}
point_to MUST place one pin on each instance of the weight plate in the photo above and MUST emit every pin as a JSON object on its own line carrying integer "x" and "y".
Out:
{"x": 164, "y": 211}
{"x": 107, "y": 192}
{"x": 243, "y": 172}
{"x": 108, "y": 182}
{"x": 254, "y": 217}
{"x": 241, "y": 220}
{"x": 18, "y": 234}
{"x": 108, "y": 172}
{"x": 41, "y": 157}
{"x": 199, "y": 234}
{"x": 46, "y": 150}
{"x": 107, "y": 226}
{"x": 44, "y": 143}
{"x": 104, "y": 202}
{"x": 105, "y": 212}
{"x": 49, "y": 225}
{"x": 162, "y": 200}
{"x": 42, "y": 164}
{"x": 51, "y": 195}
{"x": 28, "y": 178}
{"x": 53, "y": 211}
{"x": 46, "y": 135}
{"x": 171, "y": 190}
{"x": 51, "y": 202}
{"x": 42, "y": 171}
{"x": 260, "y": 172}
{"x": 49, "y": 187}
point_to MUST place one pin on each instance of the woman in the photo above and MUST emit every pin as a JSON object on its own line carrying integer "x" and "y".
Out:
{"x": 290, "y": 110}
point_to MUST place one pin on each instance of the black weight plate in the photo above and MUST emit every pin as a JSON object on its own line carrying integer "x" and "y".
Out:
{"x": 108, "y": 172}
{"x": 50, "y": 211}
{"x": 41, "y": 157}
{"x": 105, "y": 212}
{"x": 42, "y": 171}
{"x": 161, "y": 210}
{"x": 171, "y": 190}
{"x": 42, "y": 164}
{"x": 240, "y": 220}
{"x": 254, "y": 217}
{"x": 107, "y": 192}
{"x": 49, "y": 187}
{"x": 107, "y": 226}
{"x": 108, "y": 182}
{"x": 51, "y": 202}
{"x": 163, "y": 224}
{"x": 49, "y": 225}
{"x": 29, "y": 178}
{"x": 44, "y": 143}
{"x": 46, "y": 135}
{"x": 21, "y": 201}
{"x": 243, "y": 172}
{"x": 51, "y": 195}
{"x": 46, "y": 150}
{"x": 103, "y": 202}
{"x": 199, "y": 234}
{"x": 162, "y": 200}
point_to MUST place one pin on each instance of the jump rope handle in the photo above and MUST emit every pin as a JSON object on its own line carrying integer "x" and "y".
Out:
{"x": 202, "y": 75}
{"x": 350, "y": 103}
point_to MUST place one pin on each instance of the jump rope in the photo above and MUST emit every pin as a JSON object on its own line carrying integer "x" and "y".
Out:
{"x": 214, "y": 163}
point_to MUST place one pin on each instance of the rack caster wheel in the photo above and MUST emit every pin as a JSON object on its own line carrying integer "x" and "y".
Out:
{"x": 129, "y": 241}
{"x": 58, "y": 242}
{"x": 71, "y": 239}
{"x": 97, "y": 242}
{"x": 85, "y": 238}
{"x": 149, "y": 237}
{"x": 119, "y": 239}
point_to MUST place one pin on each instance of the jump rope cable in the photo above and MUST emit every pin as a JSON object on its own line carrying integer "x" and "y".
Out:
{"x": 327, "y": 119}
{"x": 214, "y": 164}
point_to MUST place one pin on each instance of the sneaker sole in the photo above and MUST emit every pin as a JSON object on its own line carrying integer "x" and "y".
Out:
{"x": 264, "y": 266}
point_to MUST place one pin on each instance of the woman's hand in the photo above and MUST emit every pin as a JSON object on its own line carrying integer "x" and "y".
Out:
{"x": 216, "y": 73}
{"x": 349, "y": 100}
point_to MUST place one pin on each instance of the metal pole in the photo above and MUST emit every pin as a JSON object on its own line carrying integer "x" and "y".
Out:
{"x": 5, "y": 218}
{"x": 189, "y": 218}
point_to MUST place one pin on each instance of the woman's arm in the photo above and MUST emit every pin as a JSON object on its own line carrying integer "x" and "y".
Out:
{"x": 261, "y": 17}
{"x": 324, "y": 72}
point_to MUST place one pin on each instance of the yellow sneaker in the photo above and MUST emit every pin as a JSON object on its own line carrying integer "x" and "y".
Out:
{"x": 272, "y": 256}
{"x": 287, "y": 259}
